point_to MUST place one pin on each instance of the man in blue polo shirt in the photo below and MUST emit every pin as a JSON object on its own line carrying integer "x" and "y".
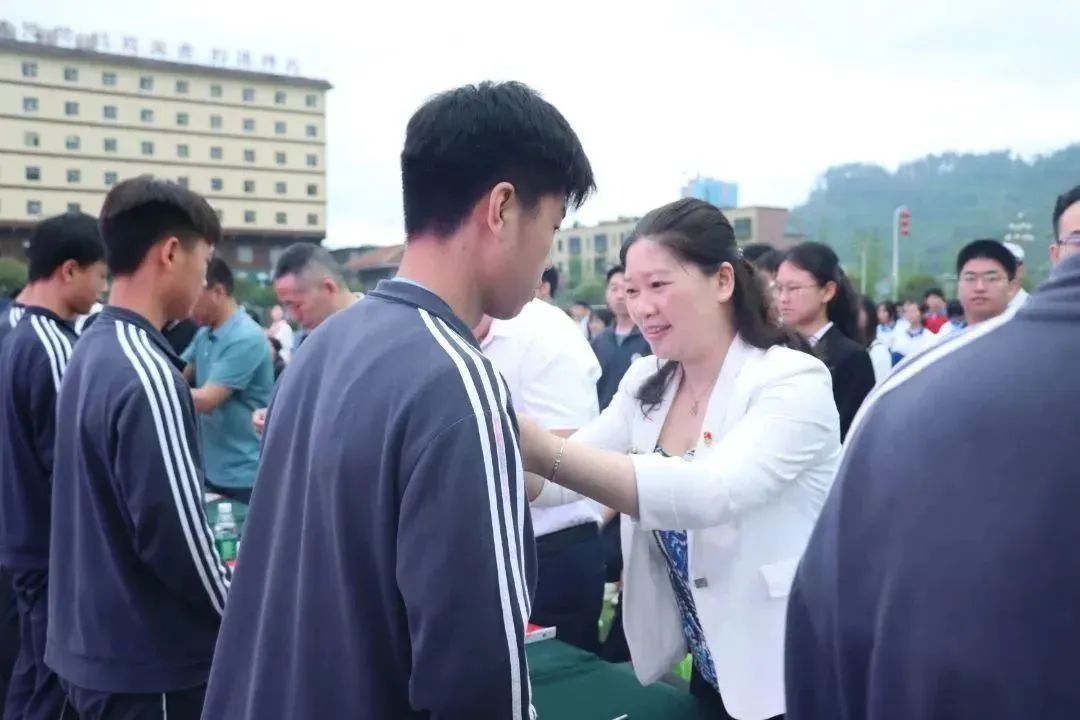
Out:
{"x": 231, "y": 369}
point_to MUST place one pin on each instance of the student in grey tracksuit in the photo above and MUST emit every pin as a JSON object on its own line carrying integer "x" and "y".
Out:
{"x": 943, "y": 581}
{"x": 136, "y": 586}
{"x": 388, "y": 565}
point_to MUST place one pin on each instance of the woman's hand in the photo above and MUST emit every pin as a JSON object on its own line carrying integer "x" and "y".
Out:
{"x": 538, "y": 447}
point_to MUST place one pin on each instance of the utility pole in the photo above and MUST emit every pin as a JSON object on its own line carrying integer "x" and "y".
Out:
{"x": 901, "y": 226}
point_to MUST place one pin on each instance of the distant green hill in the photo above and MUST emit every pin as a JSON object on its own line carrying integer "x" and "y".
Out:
{"x": 953, "y": 199}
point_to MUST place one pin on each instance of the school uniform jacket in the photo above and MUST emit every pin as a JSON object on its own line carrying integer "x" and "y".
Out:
{"x": 32, "y": 363}
{"x": 136, "y": 586}
{"x": 852, "y": 373}
{"x": 387, "y": 565}
{"x": 748, "y": 501}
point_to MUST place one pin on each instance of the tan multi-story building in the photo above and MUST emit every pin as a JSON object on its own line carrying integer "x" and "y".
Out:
{"x": 581, "y": 253}
{"x": 74, "y": 122}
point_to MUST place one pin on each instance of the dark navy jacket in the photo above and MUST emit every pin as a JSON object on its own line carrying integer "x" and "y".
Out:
{"x": 387, "y": 565}
{"x": 942, "y": 578}
{"x": 9, "y": 318}
{"x": 615, "y": 358}
{"x": 136, "y": 587}
{"x": 32, "y": 363}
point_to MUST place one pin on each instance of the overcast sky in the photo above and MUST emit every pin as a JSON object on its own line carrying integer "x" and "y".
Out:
{"x": 658, "y": 91}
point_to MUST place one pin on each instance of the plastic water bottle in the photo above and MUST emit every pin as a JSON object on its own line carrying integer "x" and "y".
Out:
{"x": 226, "y": 533}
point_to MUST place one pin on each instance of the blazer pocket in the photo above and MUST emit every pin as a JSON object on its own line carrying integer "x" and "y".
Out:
{"x": 778, "y": 577}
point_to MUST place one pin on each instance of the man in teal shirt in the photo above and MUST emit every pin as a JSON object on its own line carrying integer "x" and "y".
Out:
{"x": 230, "y": 367}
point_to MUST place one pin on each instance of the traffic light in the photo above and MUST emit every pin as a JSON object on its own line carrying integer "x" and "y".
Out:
{"x": 905, "y": 222}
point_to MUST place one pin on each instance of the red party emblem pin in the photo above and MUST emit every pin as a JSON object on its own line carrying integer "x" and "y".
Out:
{"x": 708, "y": 438}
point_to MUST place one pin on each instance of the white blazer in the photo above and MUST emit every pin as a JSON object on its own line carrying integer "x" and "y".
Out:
{"x": 748, "y": 500}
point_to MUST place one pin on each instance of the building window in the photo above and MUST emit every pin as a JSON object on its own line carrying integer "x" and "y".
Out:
{"x": 183, "y": 151}
{"x": 215, "y": 153}
{"x": 146, "y": 82}
{"x": 71, "y": 108}
{"x": 312, "y": 160}
{"x": 72, "y": 142}
{"x": 108, "y": 79}
{"x": 279, "y": 127}
{"x": 217, "y": 184}
{"x": 32, "y": 139}
{"x": 215, "y": 91}
{"x": 279, "y": 97}
{"x": 249, "y": 156}
{"x": 249, "y": 186}
{"x": 744, "y": 228}
{"x": 312, "y": 219}
{"x": 279, "y": 188}
{"x": 33, "y": 207}
{"x": 29, "y": 104}
{"x": 599, "y": 242}
{"x": 33, "y": 172}
{"x": 71, "y": 74}
{"x": 215, "y": 122}
{"x": 110, "y": 144}
{"x": 249, "y": 216}
{"x": 312, "y": 101}
{"x": 74, "y": 176}
{"x": 559, "y": 244}
{"x": 575, "y": 245}
{"x": 29, "y": 69}
{"x": 183, "y": 181}
{"x": 182, "y": 87}
{"x": 146, "y": 115}
{"x": 279, "y": 158}
{"x": 280, "y": 218}
{"x": 312, "y": 131}
{"x": 110, "y": 178}
{"x": 147, "y": 148}
{"x": 182, "y": 119}
{"x": 74, "y": 208}
{"x": 599, "y": 266}
{"x": 312, "y": 190}
{"x": 109, "y": 112}
{"x": 249, "y": 125}
{"x": 245, "y": 253}
{"x": 249, "y": 94}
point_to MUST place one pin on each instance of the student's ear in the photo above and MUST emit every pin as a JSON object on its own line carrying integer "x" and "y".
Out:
{"x": 168, "y": 250}
{"x": 501, "y": 205}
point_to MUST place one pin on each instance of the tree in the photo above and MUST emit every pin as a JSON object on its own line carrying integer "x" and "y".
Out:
{"x": 12, "y": 275}
{"x": 914, "y": 287}
{"x": 251, "y": 293}
{"x": 590, "y": 291}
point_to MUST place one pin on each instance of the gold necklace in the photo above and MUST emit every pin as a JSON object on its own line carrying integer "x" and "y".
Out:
{"x": 695, "y": 405}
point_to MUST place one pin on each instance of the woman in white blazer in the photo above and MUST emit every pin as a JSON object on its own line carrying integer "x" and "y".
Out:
{"x": 719, "y": 450}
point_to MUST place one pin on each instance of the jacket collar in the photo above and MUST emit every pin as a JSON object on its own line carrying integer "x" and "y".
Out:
{"x": 114, "y": 314}
{"x": 1058, "y": 297}
{"x": 411, "y": 293}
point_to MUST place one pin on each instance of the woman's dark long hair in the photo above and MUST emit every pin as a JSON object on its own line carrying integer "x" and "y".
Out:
{"x": 820, "y": 261}
{"x": 869, "y": 328}
{"x": 699, "y": 234}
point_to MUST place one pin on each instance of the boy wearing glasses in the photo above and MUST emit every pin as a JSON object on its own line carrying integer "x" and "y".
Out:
{"x": 987, "y": 277}
{"x": 1066, "y": 226}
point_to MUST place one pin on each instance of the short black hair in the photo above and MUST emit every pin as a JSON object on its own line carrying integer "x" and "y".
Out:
{"x": 1064, "y": 202}
{"x": 219, "y": 273}
{"x": 551, "y": 277}
{"x": 615, "y": 270}
{"x": 140, "y": 212}
{"x": 582, "y": 303}
{"x": 954, "y": 309}
{"x": 463, "y": 142}
{"x": 71, "y": 236}
{"x": 753, "y": 251}
{"x": 934, "y": 291}
{"x": 769, "y": 261}
{"x": 990, "y": 249}
{"x": 302, "y": 256}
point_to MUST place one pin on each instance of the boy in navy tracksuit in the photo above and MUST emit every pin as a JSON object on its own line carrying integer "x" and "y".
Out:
{"x": 388, "y": 565}
{"x": 137, "y": 587}
{"x": 66, "y": 275}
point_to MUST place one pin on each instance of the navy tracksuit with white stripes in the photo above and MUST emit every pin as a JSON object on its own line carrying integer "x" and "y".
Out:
{"x": 388, "y": 563}
{"x": 32, "y": 363}
{"x": 9, "y": 614}
{"x": 137, "y": 586}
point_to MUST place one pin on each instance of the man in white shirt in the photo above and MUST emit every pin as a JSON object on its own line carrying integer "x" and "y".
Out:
{"x": 552, "y": 372}
{"x": 1020, "y": 295}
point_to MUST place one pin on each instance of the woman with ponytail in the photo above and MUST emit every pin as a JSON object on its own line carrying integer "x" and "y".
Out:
{"x": 718, "y": 450}
{"x": 816, "y": 299}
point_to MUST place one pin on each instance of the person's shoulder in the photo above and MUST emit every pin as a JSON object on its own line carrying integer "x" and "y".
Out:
{"x": 641, "y": 370}
{"x": 783, "y": 364}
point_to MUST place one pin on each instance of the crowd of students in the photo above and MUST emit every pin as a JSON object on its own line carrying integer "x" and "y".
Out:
{"x": 450, "y": 456}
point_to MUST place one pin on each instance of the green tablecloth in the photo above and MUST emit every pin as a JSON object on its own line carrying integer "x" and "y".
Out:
{"x": 571, "y": 684}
